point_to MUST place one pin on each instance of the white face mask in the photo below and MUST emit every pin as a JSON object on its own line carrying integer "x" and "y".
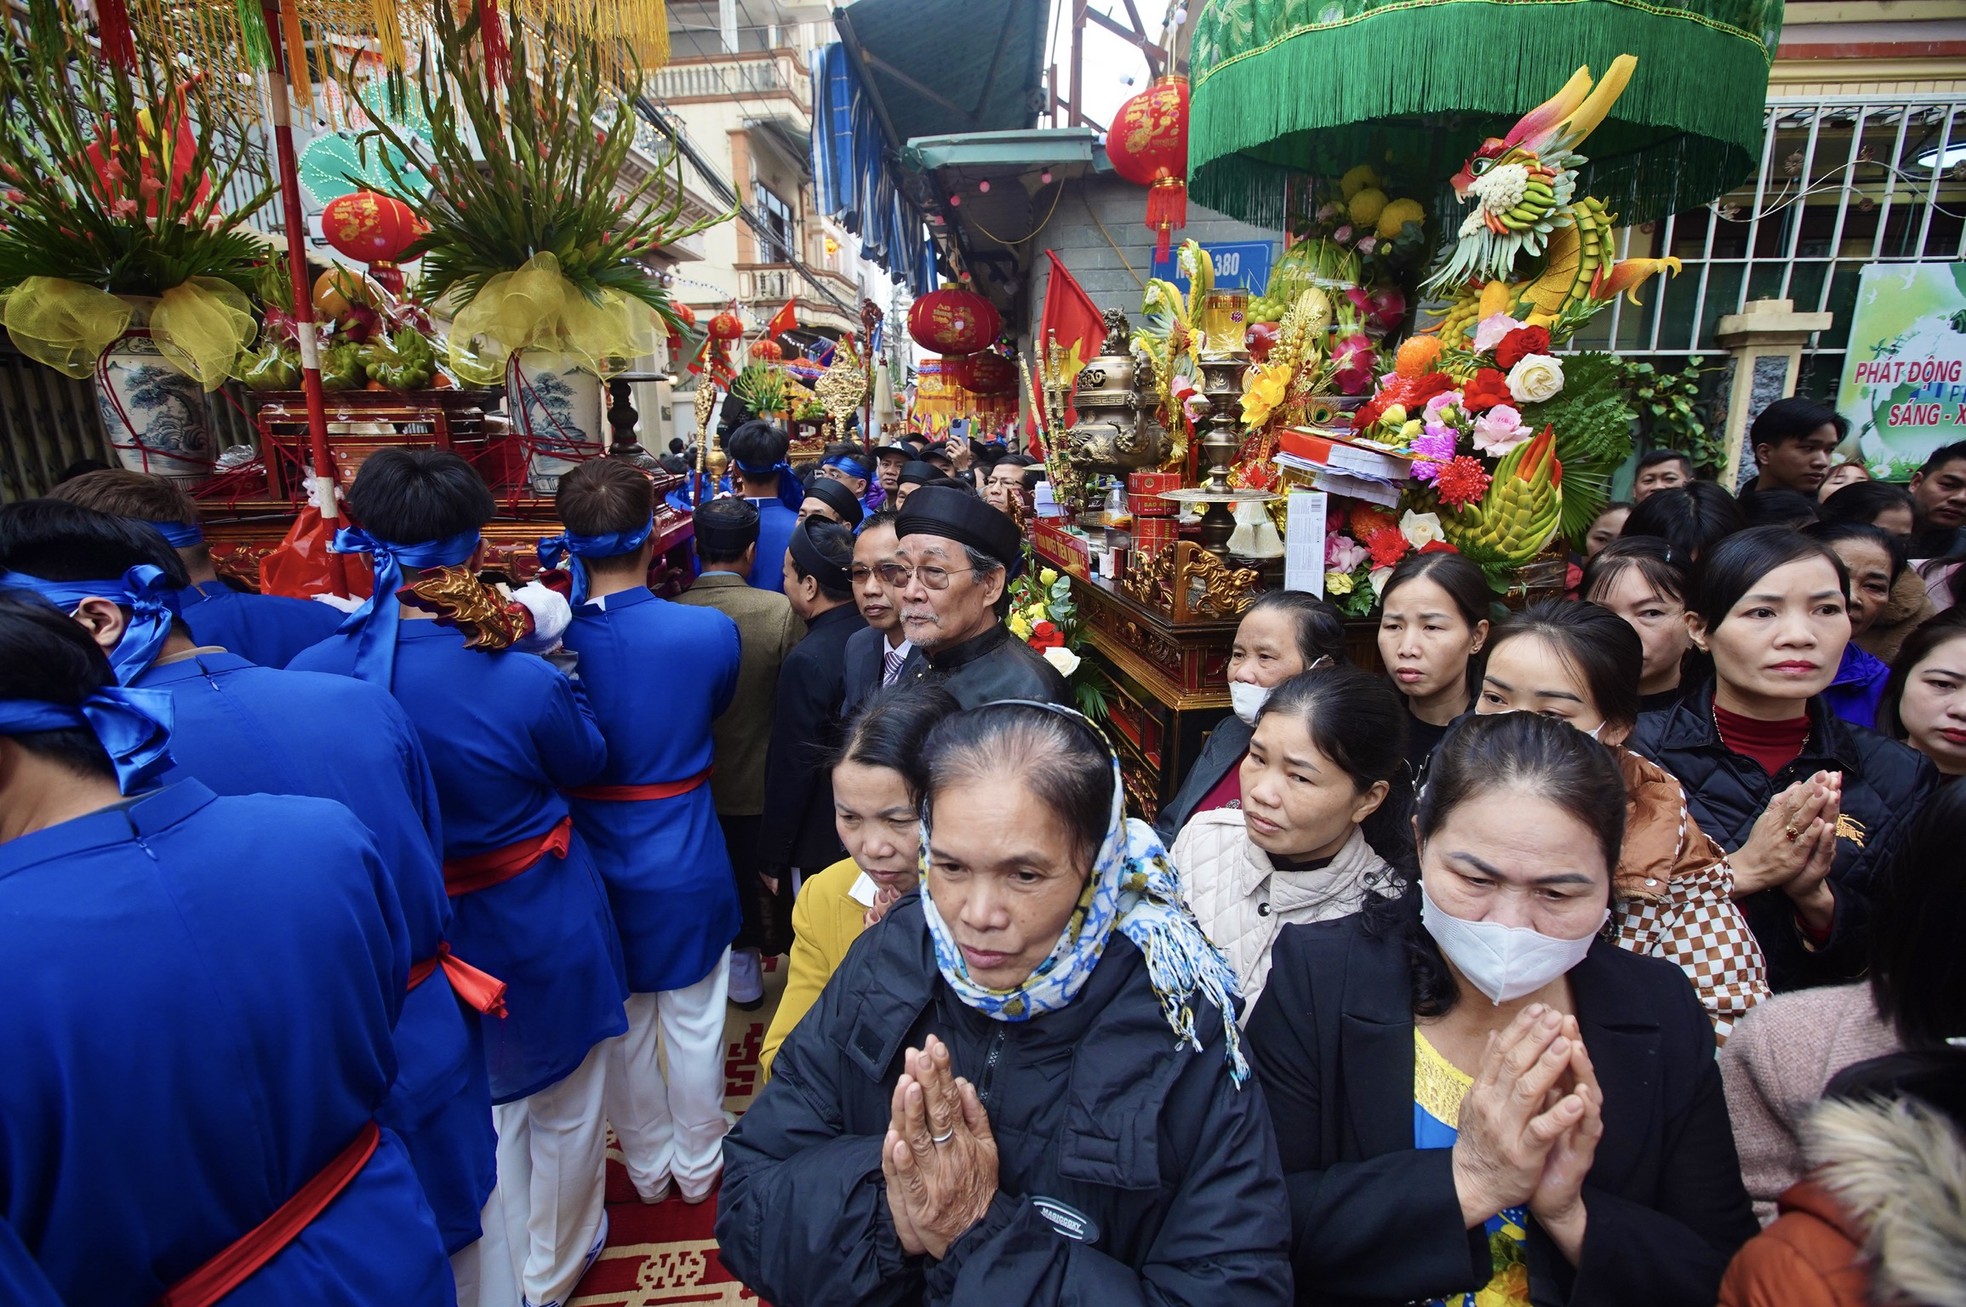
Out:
{"x": 1247, "y": 700}
{"x": 1503, "y": 962}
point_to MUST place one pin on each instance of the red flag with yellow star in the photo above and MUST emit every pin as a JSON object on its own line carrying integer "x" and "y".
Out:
{"x": 1071, "y": 319}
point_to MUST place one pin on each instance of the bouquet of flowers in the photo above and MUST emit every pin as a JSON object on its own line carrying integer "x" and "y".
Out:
{"x": 1362, "y": 550}
{"x": 1043, "y": 616}
{"x": 1512, "y": 443}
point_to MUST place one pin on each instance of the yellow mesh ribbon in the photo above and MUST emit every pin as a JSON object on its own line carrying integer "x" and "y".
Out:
{"x": 536, "y": 307}
{"x": 63, "y": 323}
{"x": 201, "y": 326}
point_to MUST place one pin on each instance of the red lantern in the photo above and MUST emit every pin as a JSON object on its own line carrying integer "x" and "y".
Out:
{"x": 726, "y": 326}
{"x": 767, "y": 351}
{"x": 370, "y": 228}
{"x": 952, "y": 321}
{"x": 988, "y": 374}
{"x": 1148, "y": 144}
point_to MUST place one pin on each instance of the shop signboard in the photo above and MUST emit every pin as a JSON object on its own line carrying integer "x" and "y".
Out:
{"x": 1904, "y": 378}
{"x": 1237, "y": 263}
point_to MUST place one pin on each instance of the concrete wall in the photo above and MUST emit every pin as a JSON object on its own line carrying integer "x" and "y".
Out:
{"x": 1115, "y": 277}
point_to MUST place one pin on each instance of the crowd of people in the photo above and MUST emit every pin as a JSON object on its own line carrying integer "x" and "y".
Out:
{"x": 1601, "y": 952}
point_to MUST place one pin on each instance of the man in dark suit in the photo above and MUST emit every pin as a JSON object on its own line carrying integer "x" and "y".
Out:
{"x": 767, "y": 630}
{"x": 882, "y": 653}
{"x": 799, "y": 834}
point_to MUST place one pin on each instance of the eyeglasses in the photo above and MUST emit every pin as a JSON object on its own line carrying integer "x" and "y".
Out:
{"x": 898, "y": 575}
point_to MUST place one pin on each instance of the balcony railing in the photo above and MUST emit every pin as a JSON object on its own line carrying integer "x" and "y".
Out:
{"x": 736, "y": 77}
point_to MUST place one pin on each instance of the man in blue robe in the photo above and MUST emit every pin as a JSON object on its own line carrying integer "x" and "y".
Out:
{"x": 651, "y": 820}
{"x": 264, "y": 629}
{"x": 196, "y": 1050}
{"x": 505, "y": 732}
{"x": 243, "y": 729}
{"x": 761, "y": 475}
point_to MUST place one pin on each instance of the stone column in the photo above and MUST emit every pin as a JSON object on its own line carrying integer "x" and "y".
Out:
{"x": 1765, "y": 340}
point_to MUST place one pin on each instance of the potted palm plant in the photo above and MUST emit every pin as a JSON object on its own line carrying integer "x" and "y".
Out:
{"x": 535, "y": 237}
{"x": 121, "y": 256}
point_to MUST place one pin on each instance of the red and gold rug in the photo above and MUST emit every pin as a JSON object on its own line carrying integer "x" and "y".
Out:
{"x": 666, "y": 1254}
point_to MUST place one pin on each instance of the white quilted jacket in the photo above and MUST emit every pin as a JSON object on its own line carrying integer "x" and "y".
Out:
{"x": 1242, "y": 900}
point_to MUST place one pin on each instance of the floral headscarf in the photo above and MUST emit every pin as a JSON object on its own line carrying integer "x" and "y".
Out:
{"x": 1133, "y": 889}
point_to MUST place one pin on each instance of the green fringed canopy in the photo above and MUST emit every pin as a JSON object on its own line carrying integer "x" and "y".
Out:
{"x": 1292, "y": 87}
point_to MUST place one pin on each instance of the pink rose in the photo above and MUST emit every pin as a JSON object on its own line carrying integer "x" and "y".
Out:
{"x": 1489, "y": 333}
{"x": 1498, "y": 431}
{"x": 1342, "y": 553}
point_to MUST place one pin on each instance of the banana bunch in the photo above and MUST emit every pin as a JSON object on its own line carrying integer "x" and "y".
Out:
{"x": 1518, "y": 516}
{"x": 1538, "y": 198}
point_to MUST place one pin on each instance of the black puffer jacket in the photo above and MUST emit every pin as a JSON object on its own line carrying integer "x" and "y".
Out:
{"x": 1884, "y": 786}
{"x": 1094, "y": 1108}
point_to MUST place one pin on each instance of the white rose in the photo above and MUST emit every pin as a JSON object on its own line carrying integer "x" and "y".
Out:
{"x": 1063, "y": 659}
{"x": 1421, "y": 529}
{"x": 1535, "y": 378}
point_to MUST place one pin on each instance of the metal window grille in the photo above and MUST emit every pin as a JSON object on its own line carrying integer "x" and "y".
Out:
{"x": 1844, "y": 182}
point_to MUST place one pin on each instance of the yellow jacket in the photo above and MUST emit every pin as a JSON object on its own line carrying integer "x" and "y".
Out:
{"x": 826, "y": 920}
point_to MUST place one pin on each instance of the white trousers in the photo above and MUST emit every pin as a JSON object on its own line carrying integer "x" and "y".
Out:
{"x": 485, "y": 1272}
{"x": 552, "y": 1159}
{"x": 671, "y": 1126}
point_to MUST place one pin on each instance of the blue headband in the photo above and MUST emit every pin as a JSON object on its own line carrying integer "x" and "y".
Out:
{"x": 571, "y": 547}
{"x": 375, "y": 623}
{"x": 141, "y": 589}
{"x": 180, "y": 535}
{"x": 791, "y": 490}
{"x": 850, "y": 465}
{"x": 134, "y": 727}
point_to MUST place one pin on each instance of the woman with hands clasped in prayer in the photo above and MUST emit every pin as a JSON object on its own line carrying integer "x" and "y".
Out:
{"x": 1026, "y": 1085}
{"x": 1478, "y": 1097}
{"x": 1809, "y": 806}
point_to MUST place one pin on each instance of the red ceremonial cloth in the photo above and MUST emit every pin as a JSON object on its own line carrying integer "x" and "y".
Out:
{"x": 484, "y": 870}
{"x": 218, "y": 1277}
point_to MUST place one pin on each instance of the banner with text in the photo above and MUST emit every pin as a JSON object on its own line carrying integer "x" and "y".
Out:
{"x": 1904, "y": 378}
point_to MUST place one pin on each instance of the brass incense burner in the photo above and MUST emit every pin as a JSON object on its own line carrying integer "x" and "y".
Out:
{"x": 1116, "y": 430}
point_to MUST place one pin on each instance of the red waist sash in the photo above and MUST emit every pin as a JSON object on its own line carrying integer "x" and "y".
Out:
{"x": 496, "y": 866}
{"x": 232, "y": 1266}
{"x": 630, "y": 793}
{"x": 480, "y": 989}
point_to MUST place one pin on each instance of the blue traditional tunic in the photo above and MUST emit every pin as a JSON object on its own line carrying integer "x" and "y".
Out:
{"x": 264, "y": 629}
{"x": 657, "y": 674}
{"x": 242, "y": 729}
{"x": 775, "y": 524}
{"x": 504, "y": 732}
{"x": 1438, "y": 1088}
{"x": 21, "y": 1282}
{"x": 201, "y": 993}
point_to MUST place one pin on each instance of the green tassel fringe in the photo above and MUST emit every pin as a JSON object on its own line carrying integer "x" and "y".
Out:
{"x": 1417, "y": 89}
{"x": 256, "y": 45}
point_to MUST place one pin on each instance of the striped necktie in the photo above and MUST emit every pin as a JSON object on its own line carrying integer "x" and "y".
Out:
{"x": 891, "y": 666}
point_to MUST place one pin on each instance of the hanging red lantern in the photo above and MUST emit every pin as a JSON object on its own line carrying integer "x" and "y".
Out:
{"x": 953, "y": 321}
{"x": 767, "y": 351}
{"x": 726, "y": 326}
{"x": 687, "y": 317}
{"x": 370, "y": 228}
{"x": 988, "y": 374}
{"x": 1148, "y": 144}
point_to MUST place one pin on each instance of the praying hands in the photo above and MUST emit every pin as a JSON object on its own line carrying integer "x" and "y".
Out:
{"x": 939, "y": 1156}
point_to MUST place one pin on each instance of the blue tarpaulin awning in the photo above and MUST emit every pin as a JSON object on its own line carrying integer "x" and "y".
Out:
{"x": 855, "y": 186}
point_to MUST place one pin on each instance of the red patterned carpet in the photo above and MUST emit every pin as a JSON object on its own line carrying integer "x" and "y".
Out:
{"x": 666, "y": 1254}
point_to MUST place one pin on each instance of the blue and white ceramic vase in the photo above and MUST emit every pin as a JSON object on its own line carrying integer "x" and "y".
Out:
{"x": 556, "y": 409}
{"x": 155, "y": 415}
